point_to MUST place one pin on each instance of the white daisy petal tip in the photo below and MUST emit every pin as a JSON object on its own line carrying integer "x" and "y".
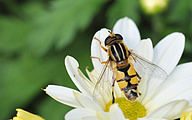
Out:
{"x": 70, "y": 59}
{"x": 128, "y": 29}
{"x": 62, "y": 94}
{"x": 119, "y": 24}
{"x": 145, "y": 49}
{"x": 78, "y": 78}
{"x": 96, "y": 50}
{"x": 179, "y": 34}
{"x": 48, "y": 88}
{"x": 179, "y": 37}
{"x": 100, "y": 35}
{"x": 168, "y": 51}
{"x": 116, "y": 112}
{"x": 146, "y": 40}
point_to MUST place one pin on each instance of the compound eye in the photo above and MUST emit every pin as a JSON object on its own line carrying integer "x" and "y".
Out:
{"x": 119, "y": 37}
{"x": 108, "y": 40}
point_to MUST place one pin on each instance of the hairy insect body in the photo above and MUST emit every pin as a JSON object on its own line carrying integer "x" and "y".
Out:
{"x": 125, "y": 65}
{"x": 126, "y": 76}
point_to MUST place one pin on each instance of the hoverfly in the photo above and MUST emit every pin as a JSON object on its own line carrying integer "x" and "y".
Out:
{"x": 123, "y": 66}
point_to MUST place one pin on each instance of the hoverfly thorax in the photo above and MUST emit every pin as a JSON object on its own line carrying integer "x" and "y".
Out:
{"x": 117, "y": 50}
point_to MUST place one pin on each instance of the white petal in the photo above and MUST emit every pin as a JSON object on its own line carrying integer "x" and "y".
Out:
{"x": 103, "y": 116}
{"x": 129, "y": 31}
{"x": 117, "y": 91}
{"x": 151, "y": 119}
{"x": 145, "y": 118}
{"x": 166, "y": 55}
{"x": 177, "y": 86}
{"x": 79, "y": 114}
{"x": 63, "y": 95}
{"x": 168, "y": 51}
{"x": 91, "y": 118}
{"x": 82, "y": 83}
{"x": 116, "y": 113}
{"x": 173, "y": 92}
{"x": 93, "y": 75}
{"x": 145, "y": 49}
{"x": 87, "y": 102}
{"x": 97, "y": 51}
{"x": 179, "y": 73}
{"x": 170, "y": 110}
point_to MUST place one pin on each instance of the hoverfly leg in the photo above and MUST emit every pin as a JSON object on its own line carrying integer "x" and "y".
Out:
{"x": 113, "y": 97}
{"x": 139, "y": 77}
{"x": 99, "y": 60}
{"x": 130, "y": 51}
{"x": 100, "y": 44}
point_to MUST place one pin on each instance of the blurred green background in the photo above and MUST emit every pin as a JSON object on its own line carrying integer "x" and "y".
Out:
{"x": 36, "y": 35}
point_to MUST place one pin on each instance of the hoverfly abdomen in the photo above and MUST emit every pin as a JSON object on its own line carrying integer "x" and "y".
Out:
{"x": 127, "y": 80}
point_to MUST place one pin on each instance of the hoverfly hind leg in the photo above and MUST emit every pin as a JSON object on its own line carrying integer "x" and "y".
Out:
{"x": 100, "y": 44}
{"x": 113, "y": 97}
{"x": 139, "y": 77}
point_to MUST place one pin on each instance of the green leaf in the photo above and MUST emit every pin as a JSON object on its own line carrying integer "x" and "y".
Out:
{"x": 188, "y": 46}
{"x": 179, "y": 10}
{"x": 56, "y": 109}
{"x": 13, "y": 33}
{"x": 122, "y": 8}
{"x": 23, "y": 78}
{"x": 31, "y": 9}
{"x": 58, "y": 26}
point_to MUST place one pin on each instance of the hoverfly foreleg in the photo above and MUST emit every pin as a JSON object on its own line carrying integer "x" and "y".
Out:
{"x": 100, "y": 44}
{"x": 99, "y": 60}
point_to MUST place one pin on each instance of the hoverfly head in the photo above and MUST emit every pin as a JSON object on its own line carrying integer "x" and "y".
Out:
{"x": 112, "y": 38}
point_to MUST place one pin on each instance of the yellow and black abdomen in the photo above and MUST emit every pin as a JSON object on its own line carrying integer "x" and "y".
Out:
{"x": 126, "y": 76}
{"x": 127, "y": 80}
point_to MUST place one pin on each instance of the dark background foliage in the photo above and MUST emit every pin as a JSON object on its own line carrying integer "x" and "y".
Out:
{"x": 36, "y": 35}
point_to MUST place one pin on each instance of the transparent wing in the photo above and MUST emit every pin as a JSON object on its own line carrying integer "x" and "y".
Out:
{"x": 103, "y": 87}
{"x": 145, "y": 67}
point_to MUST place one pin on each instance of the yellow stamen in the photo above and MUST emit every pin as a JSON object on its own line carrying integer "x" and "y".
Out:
{"x": 186, "y": 116}
{"x": 131, "y": 109}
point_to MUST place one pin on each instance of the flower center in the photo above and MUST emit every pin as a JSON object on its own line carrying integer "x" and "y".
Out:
{"x": 186, "y": 116}
{"x": 131, "y": 109}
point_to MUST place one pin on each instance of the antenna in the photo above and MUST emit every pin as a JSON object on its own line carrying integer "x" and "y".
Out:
{"x": 109, "y": 31}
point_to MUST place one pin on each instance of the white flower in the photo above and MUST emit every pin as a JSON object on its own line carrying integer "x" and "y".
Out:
{"x": 162, "y": 99}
